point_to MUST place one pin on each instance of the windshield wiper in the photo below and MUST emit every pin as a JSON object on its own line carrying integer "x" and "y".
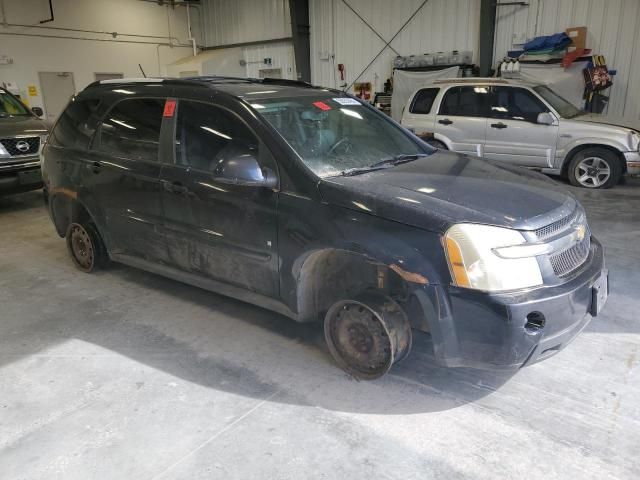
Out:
{"x": 398, "y": 159}
{"x": 382, "y": 164}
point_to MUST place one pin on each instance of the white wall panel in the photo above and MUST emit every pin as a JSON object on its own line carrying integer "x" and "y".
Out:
{"x": 442, "y": 25}
{"x": 612, "y": 30}
{"x": 229, "y": 22}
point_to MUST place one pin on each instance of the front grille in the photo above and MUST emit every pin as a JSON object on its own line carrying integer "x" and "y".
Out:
{"x": 572, "y": 258}
{"x": 558, "y": 226}
{"x": 28, "y": 146}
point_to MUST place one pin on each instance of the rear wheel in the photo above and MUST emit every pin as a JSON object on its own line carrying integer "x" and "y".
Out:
{"x": 367, "y": 335}
{"x": 595, "y": 168}
{"x": 85, "y": 246}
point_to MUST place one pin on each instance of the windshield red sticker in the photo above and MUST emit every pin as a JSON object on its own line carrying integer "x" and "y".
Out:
{"x": 321, "y": 105}
{"x": 169, "y": 108}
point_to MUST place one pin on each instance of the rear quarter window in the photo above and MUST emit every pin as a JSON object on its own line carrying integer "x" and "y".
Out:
{"x": 77, "y": 124}
{"x": 423, "y": 101}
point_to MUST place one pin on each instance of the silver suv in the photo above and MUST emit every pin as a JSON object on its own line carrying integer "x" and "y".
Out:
{"x": 525, "y": 124}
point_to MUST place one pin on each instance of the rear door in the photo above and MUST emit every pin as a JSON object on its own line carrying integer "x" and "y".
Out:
{"x": 513, "y": 134}
{"x": 461, "y": 119}
{"x": 225, "y": 232}
{"x": 122, "y": 174}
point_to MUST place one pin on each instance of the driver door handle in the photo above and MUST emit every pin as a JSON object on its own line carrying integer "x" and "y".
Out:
{"x": 175, "y": 187}
{"x": 445, "y": 121}
{"x": 498, "y": 125}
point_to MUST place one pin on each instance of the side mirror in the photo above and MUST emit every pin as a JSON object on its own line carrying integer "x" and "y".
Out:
{"x": 244, "y": 169}
{"x": 38, "y": 111}
{"x": 545, "y": 118}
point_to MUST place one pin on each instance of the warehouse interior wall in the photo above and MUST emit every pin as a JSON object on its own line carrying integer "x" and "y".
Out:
{"x": 147, "y": 33}
{"x": 613, "y": 28}
{"x": 338, "y": 36}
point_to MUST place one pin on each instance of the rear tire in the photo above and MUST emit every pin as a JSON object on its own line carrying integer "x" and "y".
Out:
{"x": 366, "y": 335}
{"x": 594, "y": 167}
{"x": 86, "y": 248}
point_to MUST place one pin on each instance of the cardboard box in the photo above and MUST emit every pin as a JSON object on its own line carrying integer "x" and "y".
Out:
{"x": 578, "y": 36}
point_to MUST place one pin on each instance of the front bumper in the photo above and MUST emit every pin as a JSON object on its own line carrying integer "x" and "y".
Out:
{"x": 633, "y": 162}
{"x": 20, "y": 176}
{"x": 490, "y": 331}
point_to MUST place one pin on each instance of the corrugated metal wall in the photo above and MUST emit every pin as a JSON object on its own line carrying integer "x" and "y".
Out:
{"x": 238, "y": 21}
{"x": 613, "y": 28}
{"x": 442, "y": 25}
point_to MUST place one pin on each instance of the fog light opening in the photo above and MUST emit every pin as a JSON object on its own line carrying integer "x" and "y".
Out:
{"x": 535, "y": 322}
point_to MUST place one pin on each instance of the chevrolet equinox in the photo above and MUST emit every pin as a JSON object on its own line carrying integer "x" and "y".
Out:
{"x": 311, "y": 203}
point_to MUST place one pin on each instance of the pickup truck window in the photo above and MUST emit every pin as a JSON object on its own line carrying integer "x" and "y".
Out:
{"x": 132, "y": 129}
{"x": 423, "y": 101}
{"x": 465, "y": 102}
{"x": 515, "y": 104}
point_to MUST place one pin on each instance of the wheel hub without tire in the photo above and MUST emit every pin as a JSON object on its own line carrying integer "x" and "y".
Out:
{"x": 367, "y": 335}
{"x": 81, "y": 246}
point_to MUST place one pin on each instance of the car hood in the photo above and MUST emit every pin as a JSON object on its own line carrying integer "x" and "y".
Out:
{"x": 446, "y": 188}
{"x": 606, "y": 120}
{"x": 21, "y": 125}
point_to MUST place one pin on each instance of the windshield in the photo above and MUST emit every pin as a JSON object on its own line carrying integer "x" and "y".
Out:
{"x": 334, "y": 134}
{"x": 10, "y": 105}
{"x": 559, "y": 104}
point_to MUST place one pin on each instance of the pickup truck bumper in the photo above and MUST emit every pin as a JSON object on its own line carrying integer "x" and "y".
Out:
{"x": 20, "y": 175}
{"x": 633, "y": 162}
{"x": 508, "y": 331}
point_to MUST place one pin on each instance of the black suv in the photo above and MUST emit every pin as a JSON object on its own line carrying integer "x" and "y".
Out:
{"x": 312, "y": 203}
{"x": 22, "y": 134}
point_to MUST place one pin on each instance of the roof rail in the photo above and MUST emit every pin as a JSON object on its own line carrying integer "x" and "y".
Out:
{"x": 469, "y": 80}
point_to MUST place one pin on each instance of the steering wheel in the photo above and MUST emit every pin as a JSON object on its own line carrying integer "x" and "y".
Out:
{"x": 343, "y": 143}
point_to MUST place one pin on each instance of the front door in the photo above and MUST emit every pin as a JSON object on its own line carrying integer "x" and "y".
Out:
{"x": 513, "y": 134}
{"x": 462, "y": 119}
{"x": 122, "y": 171}
{"x": 213, "y": 229}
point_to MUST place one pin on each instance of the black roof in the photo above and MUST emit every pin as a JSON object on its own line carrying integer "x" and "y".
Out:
{"x": 236, "y": 86}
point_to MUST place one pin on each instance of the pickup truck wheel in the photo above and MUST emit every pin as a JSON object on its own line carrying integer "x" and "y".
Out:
{"x": 595, "y": 168}
{"x": 86, "y": 247}
{"x": 367, "y": 335}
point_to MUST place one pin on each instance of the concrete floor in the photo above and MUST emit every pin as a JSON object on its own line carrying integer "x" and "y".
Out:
{"x": 124, "y": 374}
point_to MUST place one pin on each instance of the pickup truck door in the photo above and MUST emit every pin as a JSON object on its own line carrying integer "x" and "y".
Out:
{"x": 461, "y": 119}
{"x": 513, "y": 134}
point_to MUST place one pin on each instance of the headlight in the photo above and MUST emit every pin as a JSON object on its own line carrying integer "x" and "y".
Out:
{"x": 43, "y": 139}
{"x": 472, "y": 252}
{"x": 3, "y": 151}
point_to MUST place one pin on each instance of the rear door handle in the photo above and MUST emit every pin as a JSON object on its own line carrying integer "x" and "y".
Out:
{"x": 175, "y": 187}
{"x": 498, "y": 125}
{"x": 445, "y": 121}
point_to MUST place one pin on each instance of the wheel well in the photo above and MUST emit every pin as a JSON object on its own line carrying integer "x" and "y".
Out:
{"x": 332, "y": 274}
{"x": 66, "y": 211}
{"x": 579, "y": 148}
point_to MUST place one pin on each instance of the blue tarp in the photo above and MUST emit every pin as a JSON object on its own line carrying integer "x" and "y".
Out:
{"x": 556, "y": 41}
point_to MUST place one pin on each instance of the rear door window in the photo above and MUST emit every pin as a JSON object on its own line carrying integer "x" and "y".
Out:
{"x": 77, "y": 124}
{"x": 467, "y": 101}
{"x": 514, "y": 103}
{"x": 423, "y": 101}
{"x": 131, "y": 129}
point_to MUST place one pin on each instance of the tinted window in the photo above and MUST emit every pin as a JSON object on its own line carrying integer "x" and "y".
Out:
{"x": 205, "y": 134}
{"x": 76, "y": 125}
{"x": 515, "y": 104}
{"x": 423, "y": 100}
{"x": 465, "y": 101}
{"x": 132, "y": 129}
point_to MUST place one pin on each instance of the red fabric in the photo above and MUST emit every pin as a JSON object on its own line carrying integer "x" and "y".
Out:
{"x": 571, "y": 57}
{"x": 322, "y": 105}
{"x": 169, "y": 108}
